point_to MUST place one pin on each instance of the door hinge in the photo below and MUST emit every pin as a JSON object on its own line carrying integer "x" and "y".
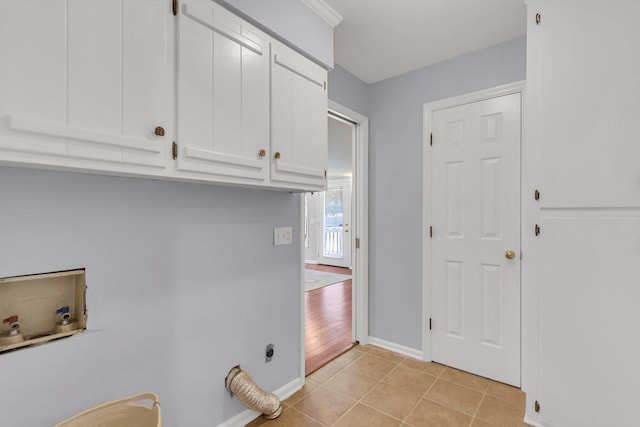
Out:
{"x": 325, "y": 174}
{"x": 174, "y": 151}
{"x": 536, "y": 406}
{"x": 430, "y": 231}
{"x": 357, "y": 243}
{"x": 536, "y": 195}
{"x": 538, "y": 18}
{"x": 537, "y": 230}
{"x": 174, "y": 5}
{"x": 431, "y": 139}
{"x": 430, "y": 323}
{"x": 325, "y": 85}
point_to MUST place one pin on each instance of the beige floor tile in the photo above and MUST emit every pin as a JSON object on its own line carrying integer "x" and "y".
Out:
{"x": 363, "y": 348}
{"x": 409, "y": 379}
{"x": 507, "y": 392}
{"x": 325, "y": 405}
{"x": 352, "y": 383}
{"x": 479, "y": 423}
{"x": 392, "y": 400}
{"x": 290, "y": 417}
{"x": 373, "y": 366}
{"x": 466, "y": 379}
{"x": 349, "y": 357}
{"x": 430, "y": 368}
{"x": 361, "y": 415}
{"x": 386, "y": 354}
{"x": 455, "y": 396}
{"x": 326, "y": 372}
{"x": 500, "y": 412}
{"x": 309, "y": 386}
{"x": 429, "y": 413}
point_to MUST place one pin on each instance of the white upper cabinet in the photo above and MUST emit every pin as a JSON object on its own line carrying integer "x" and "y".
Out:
{"x": 223, "y": 95}
{"x": 298, "y": 121}
{"x": 584, "y": 79}
{"x": 85, "y": 84}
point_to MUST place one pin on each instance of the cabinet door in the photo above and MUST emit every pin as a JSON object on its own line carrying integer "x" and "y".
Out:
{"x": 223, "y": 95}
{"x": 85, "y": 83}
{"x": 586, "y": 79}
{"x": 298, "y": 121}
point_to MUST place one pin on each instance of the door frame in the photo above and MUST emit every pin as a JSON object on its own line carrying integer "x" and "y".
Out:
{"x": 427, "y": 271}
{"x": 360, "y": 218}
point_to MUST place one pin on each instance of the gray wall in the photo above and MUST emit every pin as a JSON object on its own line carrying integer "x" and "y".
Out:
{"x": 183, "y": 283}
{"x": 293, "y": 22}
{"x": 348, "y": 90}
{"x": 395, "y": 186}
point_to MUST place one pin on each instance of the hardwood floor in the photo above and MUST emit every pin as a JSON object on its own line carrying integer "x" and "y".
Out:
{"x": 327, "y": 320}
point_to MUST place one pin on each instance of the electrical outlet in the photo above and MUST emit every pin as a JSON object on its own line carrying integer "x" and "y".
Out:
{"x": 268, "y": 353}
{"x": 282, "y": 236}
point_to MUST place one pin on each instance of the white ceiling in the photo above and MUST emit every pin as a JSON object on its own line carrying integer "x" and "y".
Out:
{"x": 378, "y": 39}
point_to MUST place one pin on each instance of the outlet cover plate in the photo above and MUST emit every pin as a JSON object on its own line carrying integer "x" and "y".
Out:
{"x": 282, "y": 236}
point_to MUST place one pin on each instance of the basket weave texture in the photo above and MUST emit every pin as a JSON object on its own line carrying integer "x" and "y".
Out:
{"x": 129, "y": 412}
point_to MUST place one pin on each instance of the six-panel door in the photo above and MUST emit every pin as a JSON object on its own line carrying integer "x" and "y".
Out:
{"x": 476, "y": 221}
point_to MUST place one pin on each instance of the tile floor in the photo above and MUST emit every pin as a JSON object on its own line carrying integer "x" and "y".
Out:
{"x": 370, "y": 386}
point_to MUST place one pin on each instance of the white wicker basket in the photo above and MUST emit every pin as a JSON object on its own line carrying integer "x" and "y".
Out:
{"x": 127, "y": 412}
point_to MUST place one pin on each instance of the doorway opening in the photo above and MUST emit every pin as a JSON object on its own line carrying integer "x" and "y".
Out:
{"x": 335, "y": 297}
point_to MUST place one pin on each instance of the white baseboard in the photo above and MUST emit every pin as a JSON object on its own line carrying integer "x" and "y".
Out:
{"x": 532, "y": 422}
{"x": 401, "y": 349}
{"x": 310, "y": 261}
{"x": 246, "y": 416}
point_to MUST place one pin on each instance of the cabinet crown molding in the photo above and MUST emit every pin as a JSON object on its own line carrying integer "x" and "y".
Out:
{"x": 325, "y": 11}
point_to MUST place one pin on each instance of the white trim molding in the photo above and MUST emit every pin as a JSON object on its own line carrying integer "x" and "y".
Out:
{"x": 396, "y": 348}
{"x": 325, "y": 11}
{"x": 246, "y": 416}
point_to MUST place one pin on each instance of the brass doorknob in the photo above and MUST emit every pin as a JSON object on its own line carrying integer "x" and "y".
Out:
{"x": 277, "y": 155}
{"x": 262, "y": 152}
{"x": 509, "y": 254}
{"x": 159, "y": 131}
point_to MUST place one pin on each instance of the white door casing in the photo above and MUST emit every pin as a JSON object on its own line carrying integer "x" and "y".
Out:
{"x": 475, "y": 214}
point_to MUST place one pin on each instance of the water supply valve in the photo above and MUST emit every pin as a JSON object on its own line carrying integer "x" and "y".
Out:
{"x": 14, "y": 325}
{"x": 65, "y": 315}
{"x": 66, "y": 323}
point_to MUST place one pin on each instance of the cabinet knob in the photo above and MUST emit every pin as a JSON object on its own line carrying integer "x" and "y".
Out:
{"x": 277, "y": 155}
{"x": 159, "y": 131}
{"x": 263, "y": 152}
{"x": 509, "y": 254}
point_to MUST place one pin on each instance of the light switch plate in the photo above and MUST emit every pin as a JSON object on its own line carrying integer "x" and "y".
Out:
{"x": 282, "y": 236}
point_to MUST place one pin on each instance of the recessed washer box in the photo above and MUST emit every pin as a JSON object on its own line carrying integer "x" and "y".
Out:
{"x": 41, "y": 307}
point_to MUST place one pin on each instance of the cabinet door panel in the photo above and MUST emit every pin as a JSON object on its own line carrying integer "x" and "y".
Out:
{"x": 299, "y": 120}
{"x": 223, "y": 104}
{"x": 588, "y": 130}
{"x": 86, "y": 83}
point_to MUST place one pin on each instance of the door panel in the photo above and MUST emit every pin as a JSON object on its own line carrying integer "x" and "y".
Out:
{"x": 223, "y": 94}
{"x": 476, "y": 218}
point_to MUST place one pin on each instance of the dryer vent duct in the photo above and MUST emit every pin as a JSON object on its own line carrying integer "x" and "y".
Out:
{"x": 239, "y": 383}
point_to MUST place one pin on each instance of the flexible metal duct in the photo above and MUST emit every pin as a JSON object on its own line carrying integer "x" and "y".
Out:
{"x": 238, "y": 382}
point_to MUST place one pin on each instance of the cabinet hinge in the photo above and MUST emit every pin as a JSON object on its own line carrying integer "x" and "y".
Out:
{"x": 536, "y": 195}
{"x": 430, "y": 231}
{"x": 174, "y": 151}
{"x": 536, "y": 406}
{"x": 537, "y": 230}
{"x": 357, "y": 243}
{"x": 174, "y": 5}
{"x": 325, "y": 174}
{"x": 429, "y": 323}
{"x": 325, "y": 85}
{"x": 431, "y": 139}
{"x": 538, "y": 18}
